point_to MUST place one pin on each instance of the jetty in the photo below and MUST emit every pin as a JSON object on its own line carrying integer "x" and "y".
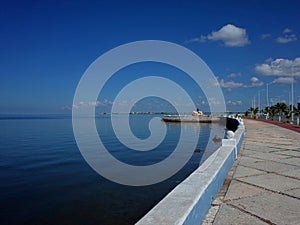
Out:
{"x": 263, "y": 186}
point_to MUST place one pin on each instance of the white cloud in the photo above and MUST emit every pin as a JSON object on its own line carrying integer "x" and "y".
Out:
{"x": 235, "y": 103}
{"x": 214, "y": 101}
{"x": 279, "y": 67}
{"x": 229, "y": 85}
{"x": 254, "y": 79}
{"x": 255, "y": 82}
{"x": 286, "y": 30}
{"x": 283, "y": 80}
{"x": 287, "y": 37}
{"x": 265, "y": 36}
{"x": 233, "y": 75}
{"x": 229, "y": 34}
{"x": 199, "y": 39}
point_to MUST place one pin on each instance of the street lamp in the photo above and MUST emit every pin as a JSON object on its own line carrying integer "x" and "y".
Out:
{"x": 268, "y": 93}
{"x": 292, "y": 93}
{"x": 259, "y": 103}
{"x": 278, "y": 101}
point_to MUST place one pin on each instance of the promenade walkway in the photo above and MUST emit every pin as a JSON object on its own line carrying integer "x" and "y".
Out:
{"x": 263, "y": 186}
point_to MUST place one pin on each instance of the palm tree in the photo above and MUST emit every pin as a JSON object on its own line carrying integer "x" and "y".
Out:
{"x": 267, "y": 112}
{"x": 253, "y": 111}
{"x": 297, "y": 113}
{"x": 273, "y": 111}
{"x": 282, "y": 109}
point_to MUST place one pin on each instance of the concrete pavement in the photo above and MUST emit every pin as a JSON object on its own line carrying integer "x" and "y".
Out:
{"x": 263, "y": 186}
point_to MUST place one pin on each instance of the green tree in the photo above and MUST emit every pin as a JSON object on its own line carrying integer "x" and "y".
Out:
{"x": 267, "y": 111}
{"x": 273, "y": 111}
{"x": 253, "y": 111}
{"x": 297, "y": 112}
{"x": 281, "y": 109}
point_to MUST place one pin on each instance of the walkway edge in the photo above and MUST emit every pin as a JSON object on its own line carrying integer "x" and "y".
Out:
{"x": 189, "y": 202}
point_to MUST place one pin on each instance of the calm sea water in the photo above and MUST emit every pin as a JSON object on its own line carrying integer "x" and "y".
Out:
{"x": 45, "y": 180}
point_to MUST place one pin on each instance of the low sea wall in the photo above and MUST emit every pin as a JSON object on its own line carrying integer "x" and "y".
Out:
{"x": 189, "y": 202}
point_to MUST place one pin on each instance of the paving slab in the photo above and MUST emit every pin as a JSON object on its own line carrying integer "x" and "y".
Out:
{"x": 289, "y": 153}
{"x": 294, "y": 192}
{"x": 292, "y": 161}
{"x": 273, "y": 207}
{"x": 272, "y": 182}
{"x": 243, "y": 171}
{"x": 238, "y": 190}
{"x": 271, "y": 166}
{"x": 248, "y": 161}
{"x": 264, "y": 156}
{"x": 265, "y": 187}
{"x": 288, "y": 147}
{"x": 291, "y": 173}
{"x": 250, "y": 143}
{"x": 262, "y": 148}
{"x": 230, "y": 215}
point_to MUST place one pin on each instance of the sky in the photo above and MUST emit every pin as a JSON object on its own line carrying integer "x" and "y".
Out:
{"x": 46, "y": 46}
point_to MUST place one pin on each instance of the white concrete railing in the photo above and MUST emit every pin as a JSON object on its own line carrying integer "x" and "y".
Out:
{"x": 189, "y": 202}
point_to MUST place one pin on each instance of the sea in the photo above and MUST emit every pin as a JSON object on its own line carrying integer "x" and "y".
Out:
{"x": 44, "y": 179}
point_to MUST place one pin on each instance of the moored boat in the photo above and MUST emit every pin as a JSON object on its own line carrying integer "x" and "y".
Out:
{"x": 196, "y": 117}
{"x": 190, "y": 119}
{"x": 199, "y": 117}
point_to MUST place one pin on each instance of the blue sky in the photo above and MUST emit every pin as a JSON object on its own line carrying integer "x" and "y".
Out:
{"x": 45, "y": 47}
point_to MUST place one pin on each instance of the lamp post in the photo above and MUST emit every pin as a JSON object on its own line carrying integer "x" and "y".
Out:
{"x": 279, "y": 118}
{"x": 259, "y": 102}
{"x": 268, "y": 93}
{"x": 292, "y": 93}
{"x": 298, "y": 109}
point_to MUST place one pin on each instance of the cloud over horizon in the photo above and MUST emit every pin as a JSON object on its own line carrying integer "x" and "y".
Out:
{"x": 229, "y": 85}
{"x": 279, "y": 67}
{"x": 283, "y": 80}
{"x": 230, "y": 35}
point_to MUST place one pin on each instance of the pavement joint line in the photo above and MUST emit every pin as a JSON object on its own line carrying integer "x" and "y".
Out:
{"x": 291, "y": 177}
{"x": 291, "y": 196}
{"x": 264, "y": 160}
{"x": 234, "y": 199}
{"x": 252, "y": 175}
{"x": 271, "y": 142}
{"x": 284, "y": 150}
{"x": 251, "y": 214}
{"x": 268, "y": 172}
{"x": 292, "y": 157}
{"x": 266, "y": 189}
{"x": 262, "y": 188}
{"x": 282, "y": 147}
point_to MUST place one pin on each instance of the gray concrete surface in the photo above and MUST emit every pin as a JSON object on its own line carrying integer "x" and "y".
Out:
{"x": 264, "y": 184}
